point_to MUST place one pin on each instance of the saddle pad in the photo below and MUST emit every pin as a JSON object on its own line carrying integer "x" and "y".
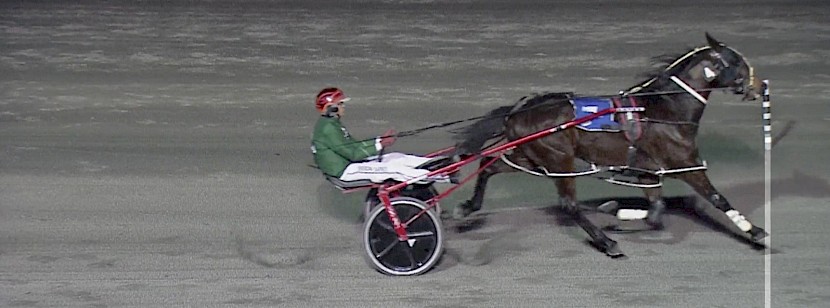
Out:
{"x": 584, "y": 106}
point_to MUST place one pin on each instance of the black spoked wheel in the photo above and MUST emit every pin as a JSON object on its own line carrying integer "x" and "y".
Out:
{"x": 393, "y": 257}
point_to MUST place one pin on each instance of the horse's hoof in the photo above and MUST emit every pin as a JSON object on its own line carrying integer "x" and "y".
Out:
{"x": 458, "y": 213}
{"x": 657, "y": 227}
{"x": 609, "y": 207}
{"x": 655, "y": 222}
{"x": 655, "y": 215}
{"x": 614, "y": 251}
{"x": 462, "y": 211}
{"x": 757, "y": 235}
{"x": 570, "y": 208}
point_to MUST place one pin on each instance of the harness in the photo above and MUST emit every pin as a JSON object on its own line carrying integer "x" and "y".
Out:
{"x": 633, "y": 128}
{"x": 635, "y": 90}
{"x": 630, "y": 123}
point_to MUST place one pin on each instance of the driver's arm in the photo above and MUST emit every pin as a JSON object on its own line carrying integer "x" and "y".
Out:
{"x": 348, "y": 147}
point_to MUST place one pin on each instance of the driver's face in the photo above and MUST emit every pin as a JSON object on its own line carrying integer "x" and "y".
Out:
{"x": 340, "y": 109}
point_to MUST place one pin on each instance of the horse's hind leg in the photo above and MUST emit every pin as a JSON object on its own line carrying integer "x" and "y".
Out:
{"x": 474, "y": 204}
{"x": 567, "y": 198}
{"x": 656, "y": 203}
{"x": 652, "y": 216}
{"x": 701, "y": 184}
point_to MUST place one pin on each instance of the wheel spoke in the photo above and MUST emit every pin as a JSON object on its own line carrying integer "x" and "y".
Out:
{"x": 387, "y": 250}
{"x": 420, "y": 234}
{"x": 403, "y": 212}
{"x": 414, "y": 217}
{"x": 384, "y": 225}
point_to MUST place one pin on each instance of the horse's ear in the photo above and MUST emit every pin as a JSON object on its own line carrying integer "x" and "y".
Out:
{"x": 717, "y": 46}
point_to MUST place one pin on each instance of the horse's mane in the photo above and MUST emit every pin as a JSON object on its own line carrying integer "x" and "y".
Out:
{"x": 538, "y": 98}
{"x": 471, "y": 138}
{"x": 660, "y": 63}
{"x": 658, "y": 67}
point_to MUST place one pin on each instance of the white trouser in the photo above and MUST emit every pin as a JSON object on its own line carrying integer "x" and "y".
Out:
{"x": 396, "y": 166}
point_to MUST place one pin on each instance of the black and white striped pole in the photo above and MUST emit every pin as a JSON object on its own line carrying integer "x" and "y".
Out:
{"x": 767, "y": 117}
{"x": 767, "y": 128}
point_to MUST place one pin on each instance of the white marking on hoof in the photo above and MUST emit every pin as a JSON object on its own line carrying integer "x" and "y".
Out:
{"x": 744, "y": 225}
{"x": 739, "y": 220}
{"x": 631, "y": 214}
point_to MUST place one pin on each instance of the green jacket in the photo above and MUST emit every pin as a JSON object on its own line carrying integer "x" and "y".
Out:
{"x": 334, "y": 148}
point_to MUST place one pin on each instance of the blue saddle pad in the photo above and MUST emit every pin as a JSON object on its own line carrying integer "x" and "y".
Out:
{"x": 584, "y": 106}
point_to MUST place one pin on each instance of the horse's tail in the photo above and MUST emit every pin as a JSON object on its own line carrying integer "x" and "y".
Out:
{"x": 470, "y": 139}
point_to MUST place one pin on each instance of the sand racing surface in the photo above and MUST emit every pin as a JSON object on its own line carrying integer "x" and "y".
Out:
{"x": 155, "y": 153}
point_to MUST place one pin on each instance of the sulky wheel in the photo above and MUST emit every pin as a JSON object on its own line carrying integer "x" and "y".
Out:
{"x": 370, "y": 203}
{"x": 403, "y": 258}
{"x": 421, "y": 192}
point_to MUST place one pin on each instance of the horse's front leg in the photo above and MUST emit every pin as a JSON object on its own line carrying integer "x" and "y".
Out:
{"x": 701, "y": 184}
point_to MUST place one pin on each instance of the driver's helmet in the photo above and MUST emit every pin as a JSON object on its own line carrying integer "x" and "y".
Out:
{"x": 329, "y": 96}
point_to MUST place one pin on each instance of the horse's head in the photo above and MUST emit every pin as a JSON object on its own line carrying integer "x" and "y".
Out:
{"x": 723, "y": 66}
{"x": 712, "y": 66}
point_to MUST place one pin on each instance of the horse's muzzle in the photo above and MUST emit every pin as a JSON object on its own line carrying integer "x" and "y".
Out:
{"x": 750, "y": 91}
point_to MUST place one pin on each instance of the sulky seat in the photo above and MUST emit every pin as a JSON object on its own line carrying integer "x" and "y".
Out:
{"x": 343, "y": 185}
{"x": 437, "y": 162}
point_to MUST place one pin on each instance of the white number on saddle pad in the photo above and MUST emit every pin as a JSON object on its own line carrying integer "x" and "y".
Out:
{"x": 589, "y": 109}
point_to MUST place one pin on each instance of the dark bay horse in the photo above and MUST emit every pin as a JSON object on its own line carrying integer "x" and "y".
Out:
{"x": 658, "y": 142}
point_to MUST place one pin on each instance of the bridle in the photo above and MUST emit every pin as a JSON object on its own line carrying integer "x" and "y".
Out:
{"x": 721, "y": 65}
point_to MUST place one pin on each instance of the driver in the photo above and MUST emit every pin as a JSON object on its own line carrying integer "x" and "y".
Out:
{"x": 339, "y": 155}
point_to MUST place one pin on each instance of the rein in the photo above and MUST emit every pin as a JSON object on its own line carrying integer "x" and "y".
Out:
{"x": 507, "y": 114}
{"x": 650, "y": 120}
{"x": 417, "y": 131}
{"x": 667, "y": 92}
{"x": 634, "y": 91}
{"x": 686, "y": 56}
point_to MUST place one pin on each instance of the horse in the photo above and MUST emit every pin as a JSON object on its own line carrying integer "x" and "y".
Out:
{"x": 649, "y": 145}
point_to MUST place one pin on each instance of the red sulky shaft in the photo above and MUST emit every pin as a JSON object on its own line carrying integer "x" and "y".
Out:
{"x": 383, "y": 193}
{"x": 512, "y": 144}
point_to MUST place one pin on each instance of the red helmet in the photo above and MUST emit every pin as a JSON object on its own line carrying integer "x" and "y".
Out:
{"x": 329, "y": 96}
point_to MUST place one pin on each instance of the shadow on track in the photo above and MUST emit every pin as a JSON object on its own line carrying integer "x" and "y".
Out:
{"x": 502, "y": 233}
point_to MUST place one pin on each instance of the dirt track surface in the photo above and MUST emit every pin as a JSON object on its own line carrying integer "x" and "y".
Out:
{"x": 156, "y": 155}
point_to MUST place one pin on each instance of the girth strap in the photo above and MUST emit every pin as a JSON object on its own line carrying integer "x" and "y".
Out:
{"x": 632, "y": 126}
